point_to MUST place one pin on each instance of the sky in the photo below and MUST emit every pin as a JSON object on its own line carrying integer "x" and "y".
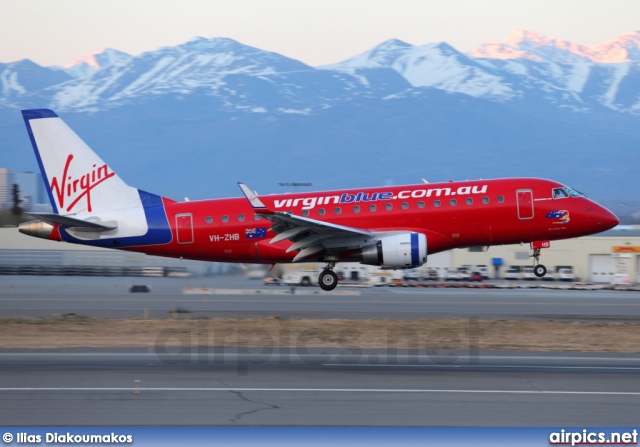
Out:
{"x": 317, "y": 32}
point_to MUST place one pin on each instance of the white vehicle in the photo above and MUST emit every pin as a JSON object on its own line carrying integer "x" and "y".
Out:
{"x": 301, "y": 278}
{"x": 484, "y": 271}
{"x": 381, "y": 278}
{"x": 430, "y": 275}
{"x": 528, "y": 274}
{"x": 411, "y": 275}
{"x": 512, "y": 274}
{"x": 464, "y": 274}
{"x": 620, "y": 279}
{"x": 550, "y": 276}
{"x": 255, "y": 273}
{"x": 565, "y": 275}
{"x": 452, "y": 275}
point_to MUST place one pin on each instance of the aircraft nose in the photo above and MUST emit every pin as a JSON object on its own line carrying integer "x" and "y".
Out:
{"x": 605, "y": 218}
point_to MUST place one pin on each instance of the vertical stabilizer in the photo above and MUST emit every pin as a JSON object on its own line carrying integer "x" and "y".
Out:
{"x": 92, "y": 204}
{"x": 77, "y": 180}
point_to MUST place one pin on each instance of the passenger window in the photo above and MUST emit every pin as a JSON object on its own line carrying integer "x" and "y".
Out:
{"x": 469, "y": 201}
{"x": 485, "y": 200}
{"x": 209, "y": 219}
{"x": 405, "y": 206}
{"x": 337, "y": 210}
{"x": 372, "y": 208}
{"x": 500, "y": 199}
{"x": 321, "y": 211}
{"x": 388, "y": 206}
{"x": 240, "y": 217}
{"x": 305, "y": 213}
{"x": 356, "y": 209}
{"x": 256, "y": 217}
{"x": 225, "y": 219}
{"x": 421, "y": 204}
{"x": 453, "y": 202}
{"x": 436, "y": 203}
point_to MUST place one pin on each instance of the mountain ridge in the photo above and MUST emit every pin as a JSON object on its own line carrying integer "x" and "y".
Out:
{"x": 217, "y": 109}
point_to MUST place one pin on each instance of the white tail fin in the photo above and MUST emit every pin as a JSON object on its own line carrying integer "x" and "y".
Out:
{"x": 77, "y": 180}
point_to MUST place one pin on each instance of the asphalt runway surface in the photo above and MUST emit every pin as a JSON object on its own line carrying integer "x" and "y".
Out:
{"x": 216, "y": 386}
{"x": 44, "y": 296}
{"x": 492, "y": 389}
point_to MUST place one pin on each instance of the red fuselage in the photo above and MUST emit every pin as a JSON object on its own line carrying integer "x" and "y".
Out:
{"x": 451, "y": 215}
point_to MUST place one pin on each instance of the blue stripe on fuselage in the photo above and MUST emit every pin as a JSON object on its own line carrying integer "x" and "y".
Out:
{"x": 29, "y": 115}
{"x": 415, "y": 250}
{"x": 158, "y": 231}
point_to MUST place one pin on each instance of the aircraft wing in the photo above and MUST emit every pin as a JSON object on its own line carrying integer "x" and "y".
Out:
{"x": 309, "y": 236}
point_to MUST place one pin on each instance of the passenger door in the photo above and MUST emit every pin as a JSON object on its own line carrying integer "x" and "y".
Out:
{"x": 184, "y": 228}
{"x": 525, "y": 203}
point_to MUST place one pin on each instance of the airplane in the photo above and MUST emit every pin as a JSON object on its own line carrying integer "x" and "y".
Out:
{"x": 394, "y": 227}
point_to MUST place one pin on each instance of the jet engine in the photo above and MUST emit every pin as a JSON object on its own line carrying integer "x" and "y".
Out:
{"x": 400, "y": 250}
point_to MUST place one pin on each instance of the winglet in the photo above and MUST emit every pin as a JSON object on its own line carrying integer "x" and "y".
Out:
{"x": 253, "y": 199}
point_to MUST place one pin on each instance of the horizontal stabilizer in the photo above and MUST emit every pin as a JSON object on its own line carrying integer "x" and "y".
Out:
{"x": 72, "y": 222}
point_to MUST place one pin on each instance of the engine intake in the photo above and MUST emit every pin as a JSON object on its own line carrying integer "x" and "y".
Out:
{"x": 402, "y": 250}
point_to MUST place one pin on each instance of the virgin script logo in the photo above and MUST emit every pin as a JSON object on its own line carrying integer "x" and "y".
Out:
{"x": 68, "y": 188}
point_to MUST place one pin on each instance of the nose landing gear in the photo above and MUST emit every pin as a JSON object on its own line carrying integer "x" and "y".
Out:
{"x": 538, "y": 269}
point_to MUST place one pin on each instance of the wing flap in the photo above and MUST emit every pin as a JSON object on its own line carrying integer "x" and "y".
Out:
{"x": 289, "y": 234}
{"x": 309, "y": 236}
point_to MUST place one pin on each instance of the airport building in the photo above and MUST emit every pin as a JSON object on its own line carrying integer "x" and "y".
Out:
{"x": 598, "y": 258}
{"x": 21, "y": 254}
{"x": 32, "y": 191}
{"x": 31, "y": 188}
{"x": 6, "y": 183}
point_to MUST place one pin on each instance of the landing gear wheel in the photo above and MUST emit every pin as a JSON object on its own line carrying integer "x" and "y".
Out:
{"x": 539, "y": 270}
{"x": 328, "y": 280}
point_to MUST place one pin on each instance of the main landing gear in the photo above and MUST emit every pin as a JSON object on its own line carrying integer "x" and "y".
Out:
{"x": 328, "y": 280}
{"x": 538, "y": 269}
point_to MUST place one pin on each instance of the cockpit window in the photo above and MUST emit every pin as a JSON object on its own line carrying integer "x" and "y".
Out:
{"x": 563, "y": 193}
{"x": 560, "y": 193}
{"x": 573, "y": 192}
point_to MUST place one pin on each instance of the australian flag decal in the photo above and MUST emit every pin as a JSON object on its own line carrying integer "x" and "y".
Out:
{"x": 561, "y": 215}
{"x": 255, "y": 233}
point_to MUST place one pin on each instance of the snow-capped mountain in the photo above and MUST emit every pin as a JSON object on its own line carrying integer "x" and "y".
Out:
{"x": 605, "y": 74}
{"x": 26, "y": 79}
{"x": 526, "y": 44}
{"x": 88, "y": 65}
{"x": 236, "y": 76}
{"x": 525, "y": 66}
{"x": 437, "y": 65}
{"x": 527, "y": 106}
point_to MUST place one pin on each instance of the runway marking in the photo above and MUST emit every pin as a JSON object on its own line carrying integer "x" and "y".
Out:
{"x": 363, "y": 301}
{"x": 331, "y": 390}
{"x": 305, "y": 356}
{"x": 474, "y": 366}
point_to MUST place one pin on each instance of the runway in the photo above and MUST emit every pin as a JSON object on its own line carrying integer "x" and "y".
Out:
{"x": 235, "y": 388}
{"x": 42, "y": 296}
{"x": 280, "y": 386}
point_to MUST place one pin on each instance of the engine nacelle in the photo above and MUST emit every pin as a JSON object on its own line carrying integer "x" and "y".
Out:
{"x": 402, "y": 250}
